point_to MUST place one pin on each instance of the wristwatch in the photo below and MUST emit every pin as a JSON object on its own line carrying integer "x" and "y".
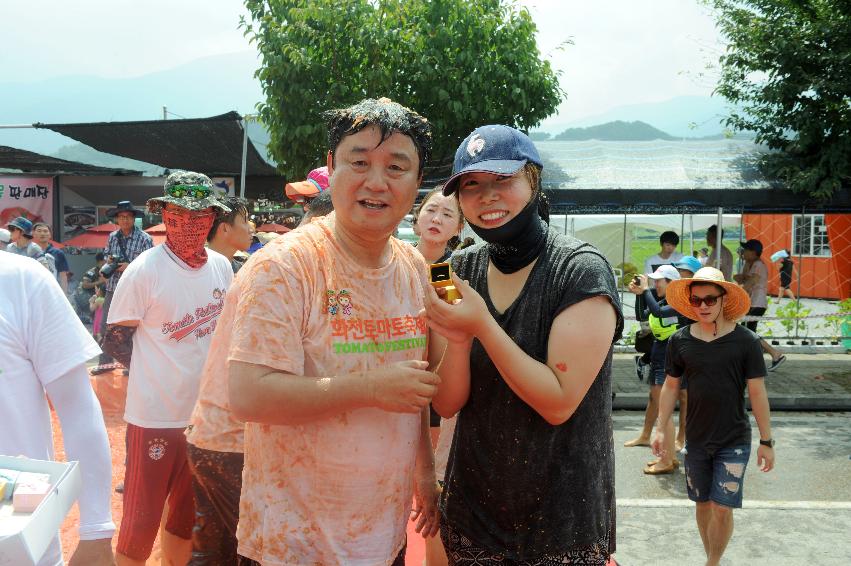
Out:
{"x": 769, "y": 442}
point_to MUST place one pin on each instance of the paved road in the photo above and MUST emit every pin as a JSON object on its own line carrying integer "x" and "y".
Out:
{"x": 798, "y": 514}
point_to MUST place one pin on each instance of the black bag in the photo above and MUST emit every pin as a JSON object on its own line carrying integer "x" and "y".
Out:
{"x": 643, "y": 341}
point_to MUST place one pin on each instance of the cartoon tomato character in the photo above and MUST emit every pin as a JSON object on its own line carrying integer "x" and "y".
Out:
{"x": 331, "y": 302}
{"x": 345, "y": 300}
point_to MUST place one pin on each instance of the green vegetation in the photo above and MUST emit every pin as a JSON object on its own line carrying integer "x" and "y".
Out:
{"x": 460, "y": 64}
{"x": 785, "y": 68}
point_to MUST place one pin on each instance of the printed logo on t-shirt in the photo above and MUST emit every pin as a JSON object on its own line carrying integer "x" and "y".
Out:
{"x": 338, "y": 302}
{"x": 368, "y": 336}
{"x": 156, "y": 448}
{"x": 201, "y": 322}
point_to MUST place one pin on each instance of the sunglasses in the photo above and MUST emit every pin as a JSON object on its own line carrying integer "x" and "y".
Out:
{"x": 194, "y": 191}
{"x": 709, "y": 300}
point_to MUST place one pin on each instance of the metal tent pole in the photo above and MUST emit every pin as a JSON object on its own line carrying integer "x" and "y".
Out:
{"x": 682, "y": 231}
{"x": 244, "y": 158}
{"x": 623, "y": 257}
{"x": 719, "y": 239}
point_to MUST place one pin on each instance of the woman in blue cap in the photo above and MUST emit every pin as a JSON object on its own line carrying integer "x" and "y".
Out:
{"x": 527, "y": 369}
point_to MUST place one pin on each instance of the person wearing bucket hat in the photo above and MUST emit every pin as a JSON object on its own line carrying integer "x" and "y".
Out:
{"x": 720, "y": 359}
{"x": 303, "y": 192}
{"x": 21, "y": 235}
{"x": 160, "y": 324}
{"x": 537, "y": 368}
{"x": 122, "y": 247}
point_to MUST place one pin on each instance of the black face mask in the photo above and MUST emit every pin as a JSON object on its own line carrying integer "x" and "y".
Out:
{"x": 517, "y": 243}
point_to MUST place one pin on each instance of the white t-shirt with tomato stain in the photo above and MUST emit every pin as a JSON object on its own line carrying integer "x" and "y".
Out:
{"x": 177, "y": 309}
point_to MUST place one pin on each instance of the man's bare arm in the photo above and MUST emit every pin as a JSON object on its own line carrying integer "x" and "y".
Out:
{"x": 262, "y": 394}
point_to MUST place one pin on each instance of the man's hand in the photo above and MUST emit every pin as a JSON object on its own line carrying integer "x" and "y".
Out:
{"x": 122, "y": 267}
{"x": 404, "y": 387}
{"x": 425, "y": 511}
{"x": 765, "y": 458}
{"x": 93, "y": 553}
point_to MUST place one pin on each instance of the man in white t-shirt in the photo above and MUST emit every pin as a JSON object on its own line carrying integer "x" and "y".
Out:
{"x": 161, "y": 321}
{"x": 44, "y": 351}
{"x": 668, "y": 254}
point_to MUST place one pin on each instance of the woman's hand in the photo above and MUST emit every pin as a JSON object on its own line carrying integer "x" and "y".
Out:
{"x": 463, "y": 319}
{"x": 641, "y": 287}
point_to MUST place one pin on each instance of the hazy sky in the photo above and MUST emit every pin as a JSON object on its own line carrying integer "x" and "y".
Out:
{"x": 623, "y": 52}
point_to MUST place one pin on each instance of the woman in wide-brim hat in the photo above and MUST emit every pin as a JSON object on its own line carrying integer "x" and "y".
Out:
{"x": 735, "y": 299}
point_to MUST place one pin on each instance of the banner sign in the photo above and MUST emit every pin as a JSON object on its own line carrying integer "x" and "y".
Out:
{"x": 30, "y": 197}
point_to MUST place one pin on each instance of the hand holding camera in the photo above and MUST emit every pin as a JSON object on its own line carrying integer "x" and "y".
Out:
{"x": 112, "y": 267}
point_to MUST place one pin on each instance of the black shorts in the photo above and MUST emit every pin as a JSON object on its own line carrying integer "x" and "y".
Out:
{"x": 785, "y": 280}
{"x": 755, "y": 311}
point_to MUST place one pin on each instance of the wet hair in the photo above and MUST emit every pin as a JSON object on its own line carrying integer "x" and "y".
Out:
{"x": 238, "y": 207}
{"x": 390, "y": 118}
{"x": 321, "y": 205}
{"x": 669, "y": 237}
{"x": 45, "y": 224}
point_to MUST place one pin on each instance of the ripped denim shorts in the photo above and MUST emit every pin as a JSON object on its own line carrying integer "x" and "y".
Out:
{"x": 718, "y": 477}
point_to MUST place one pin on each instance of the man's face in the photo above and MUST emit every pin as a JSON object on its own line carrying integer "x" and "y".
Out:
{"x": 41, "y": 235}
{"x": 238, "y": 234}
{"x": 669, "y": 248}
{"x": 711, "y": 239}
{"x": 17, "y": 235}
{"x": 125, "y": 220}
{"x": 749, "y": 255}
{"x": 375, "y": 183}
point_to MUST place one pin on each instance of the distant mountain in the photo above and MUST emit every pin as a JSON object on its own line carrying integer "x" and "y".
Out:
{"x": 85, "y": 154}
{"x": 614, "y": 131}
{"x": 205, "y": 87}
{"x": 681, "y": 117}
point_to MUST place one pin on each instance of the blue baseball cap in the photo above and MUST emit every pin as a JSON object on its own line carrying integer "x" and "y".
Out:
{"x": 689, "y": 262}
{"x": 501, "y": 150}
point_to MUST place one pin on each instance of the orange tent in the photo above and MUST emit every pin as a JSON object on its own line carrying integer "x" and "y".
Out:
{"x": 157, "y": 233}
{"x": 93, "y": 237}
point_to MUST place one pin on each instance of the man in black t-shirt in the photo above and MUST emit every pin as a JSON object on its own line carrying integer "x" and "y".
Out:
{"x": 720, "y": 359}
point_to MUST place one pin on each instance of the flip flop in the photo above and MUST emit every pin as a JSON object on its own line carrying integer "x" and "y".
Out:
{"x": 654, "y": 462}
{"x": 776, "y": 363}
{"x": 654, "y": 471}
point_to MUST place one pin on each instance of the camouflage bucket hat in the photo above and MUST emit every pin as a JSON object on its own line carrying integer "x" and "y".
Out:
{"x": 189, "y": 190}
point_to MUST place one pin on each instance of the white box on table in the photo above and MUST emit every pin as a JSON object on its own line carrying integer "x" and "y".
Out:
{"x": 24, "y": 537}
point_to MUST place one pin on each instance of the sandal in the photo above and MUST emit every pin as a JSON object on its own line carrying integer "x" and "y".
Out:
{"x": 636, "y": 442}
{"x": 652, "y": 470}
{"x": 676, "y": 463}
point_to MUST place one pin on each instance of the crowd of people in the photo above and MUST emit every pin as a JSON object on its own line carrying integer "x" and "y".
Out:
{"x": 289, "y": 409}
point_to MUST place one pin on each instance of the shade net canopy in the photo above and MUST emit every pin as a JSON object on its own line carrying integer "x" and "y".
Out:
{"x": 209, "y": 145}
{"x": 14, "y": 159}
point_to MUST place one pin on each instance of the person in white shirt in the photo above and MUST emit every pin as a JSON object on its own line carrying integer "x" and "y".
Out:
{"x": 45, "y": 349}
{"x": 668, "y": 254}
{"x": 161, "y": 321}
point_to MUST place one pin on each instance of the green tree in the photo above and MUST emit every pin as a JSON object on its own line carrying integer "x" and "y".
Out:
{"x": 788, "y": 66}
{"x": 460, "y": 64}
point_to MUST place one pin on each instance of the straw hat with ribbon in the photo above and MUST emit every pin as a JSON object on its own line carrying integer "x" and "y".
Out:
{"x": 736, "y": 301}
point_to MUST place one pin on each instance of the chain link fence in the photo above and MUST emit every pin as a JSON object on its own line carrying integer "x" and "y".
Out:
{"x": 809, "y": 313}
